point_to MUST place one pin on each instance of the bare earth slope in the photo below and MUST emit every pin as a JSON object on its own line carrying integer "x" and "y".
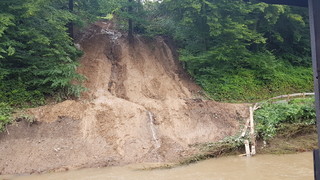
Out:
{"x": 140, "y": 107}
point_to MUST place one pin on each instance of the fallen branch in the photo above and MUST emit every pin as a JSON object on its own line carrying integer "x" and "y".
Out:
{"x": 250, "y": 122}
{"x": 292, "y": 95}
{"x": 245, "y": 128}
{"x": 7, "y": 130}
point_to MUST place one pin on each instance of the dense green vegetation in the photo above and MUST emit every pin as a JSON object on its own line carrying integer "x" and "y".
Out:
{"x": 273, "y": 118}
{"x": 37, "y": 56}
{"x": 236, "y": 50}
{"x": 239, "y": 50}
{"x": 5, "y": 115}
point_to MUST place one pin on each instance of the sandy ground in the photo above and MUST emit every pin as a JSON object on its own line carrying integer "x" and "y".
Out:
{"x": 140, "y": 107}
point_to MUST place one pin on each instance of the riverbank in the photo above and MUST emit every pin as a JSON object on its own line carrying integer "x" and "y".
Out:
{"x": 281, "y": 127}
{"x": 290, "y": 139}
{"x": 303, "y": 139}
{"x": 293, "y": 139}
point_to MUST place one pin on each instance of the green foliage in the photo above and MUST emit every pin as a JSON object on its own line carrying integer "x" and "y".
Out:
{"x": 234, "y": 73}
{"x": 5, "y": 115}
{"x": 288, "y": 79}
{"x": 271, "y": 117}
{"x": 37, "y": 56}
{"x": 137, "y": 14}
{"x": 238, "y": 50}
{"x": 289, "y": 36}
{"x": 15, "y": 93}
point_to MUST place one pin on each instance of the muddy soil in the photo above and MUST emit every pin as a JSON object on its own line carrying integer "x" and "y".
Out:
{"x": 140, "y": 106}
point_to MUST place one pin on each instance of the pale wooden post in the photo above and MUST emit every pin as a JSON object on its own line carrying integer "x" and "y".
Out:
{"x": 252, "y": 135}
{"x": 247, "y": 146}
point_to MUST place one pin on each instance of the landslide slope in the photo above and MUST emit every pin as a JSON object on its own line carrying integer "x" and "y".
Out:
{"x": 140, "y": 107}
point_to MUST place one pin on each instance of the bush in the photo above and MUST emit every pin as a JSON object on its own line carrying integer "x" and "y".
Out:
{"x": 271, "y": 117}
{"x": 245, "y": 76}
{"x": 5, "y": 115}
{"x": 16, "y": 93}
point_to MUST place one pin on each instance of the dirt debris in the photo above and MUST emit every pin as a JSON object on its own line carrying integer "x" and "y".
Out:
{"x": 140, "y": 107}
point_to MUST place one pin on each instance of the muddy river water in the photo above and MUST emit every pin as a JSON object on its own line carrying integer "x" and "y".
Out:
{"x": 261, "y": 167}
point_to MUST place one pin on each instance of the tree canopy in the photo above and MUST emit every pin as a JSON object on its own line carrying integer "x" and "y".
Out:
{"x": 235, "y": 49}
{"x": 239, "y": 50}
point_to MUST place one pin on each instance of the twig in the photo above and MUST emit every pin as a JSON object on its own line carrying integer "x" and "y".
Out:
{"x": 7, "y": 130}
{"x": 292, "y": 95}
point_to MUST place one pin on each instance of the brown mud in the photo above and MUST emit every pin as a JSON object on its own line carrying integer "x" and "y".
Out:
{"x": 140, "y": 107}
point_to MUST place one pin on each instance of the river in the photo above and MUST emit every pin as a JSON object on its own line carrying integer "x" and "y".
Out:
{"x": 260, "y": 167}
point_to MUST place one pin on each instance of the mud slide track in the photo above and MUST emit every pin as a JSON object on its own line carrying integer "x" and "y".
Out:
{"x": 140, "y": 107}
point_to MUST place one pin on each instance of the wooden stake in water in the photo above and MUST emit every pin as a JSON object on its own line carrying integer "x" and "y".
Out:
{"x": 247, "y": 146}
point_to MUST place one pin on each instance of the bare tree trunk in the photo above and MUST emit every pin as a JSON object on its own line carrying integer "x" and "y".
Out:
{"x": 204, "y": 26}
{"x": 130, "y": 23}
{"x": 70, "y": 25}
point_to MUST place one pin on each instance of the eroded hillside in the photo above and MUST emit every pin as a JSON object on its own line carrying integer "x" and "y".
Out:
{"x": 140, "y": 107}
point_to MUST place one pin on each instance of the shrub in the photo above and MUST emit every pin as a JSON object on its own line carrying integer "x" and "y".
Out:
{"x": 272, "y": 116}
{"x": 233, "y": 73}
{"x": 5, "y": 115}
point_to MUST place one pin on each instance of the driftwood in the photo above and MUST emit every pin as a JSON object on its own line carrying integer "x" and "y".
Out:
{"x": 252, "y": 133}
{"x": 250, "y": 123}
{"x": 247, "y": 147}
{"x": 244, "y": 131}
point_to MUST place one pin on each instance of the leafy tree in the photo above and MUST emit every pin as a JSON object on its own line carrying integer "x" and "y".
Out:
{"x": 234, "y": 49}
{"x": 238, "y": 50}
{"x": 71, "y": 29}
{"x": 130, "y": 16}
{"x": 37, "y": 55}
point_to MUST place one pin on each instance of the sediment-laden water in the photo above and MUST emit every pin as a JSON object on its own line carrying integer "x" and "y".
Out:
{"x": 260, "y": 167}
